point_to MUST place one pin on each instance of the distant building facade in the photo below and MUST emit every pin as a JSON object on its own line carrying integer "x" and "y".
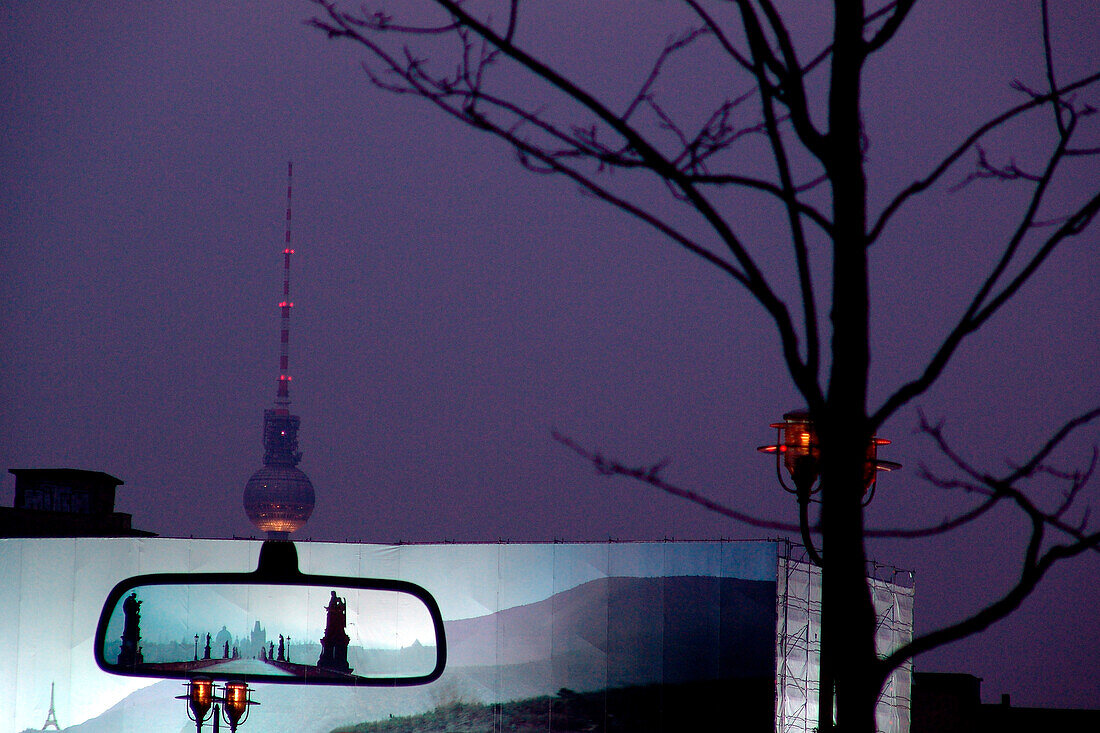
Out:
{"x": 65, "y": 502}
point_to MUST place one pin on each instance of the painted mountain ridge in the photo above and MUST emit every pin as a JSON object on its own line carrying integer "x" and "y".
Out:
{"x": 626, "y": 631}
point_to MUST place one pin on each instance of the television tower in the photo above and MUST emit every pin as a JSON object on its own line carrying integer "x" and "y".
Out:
{"x": 279, "y": 497}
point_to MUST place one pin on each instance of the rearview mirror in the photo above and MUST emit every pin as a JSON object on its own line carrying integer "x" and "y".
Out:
{"x": 273, "y": 625}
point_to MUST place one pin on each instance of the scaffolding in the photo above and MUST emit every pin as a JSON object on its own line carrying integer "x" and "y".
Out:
{"x": 798, "y": 641}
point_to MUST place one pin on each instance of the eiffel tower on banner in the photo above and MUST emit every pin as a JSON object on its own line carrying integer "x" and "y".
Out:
{"x": 51, "y": 717}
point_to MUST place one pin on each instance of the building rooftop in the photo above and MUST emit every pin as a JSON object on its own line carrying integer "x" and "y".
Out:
{"x": 65, "y": 502}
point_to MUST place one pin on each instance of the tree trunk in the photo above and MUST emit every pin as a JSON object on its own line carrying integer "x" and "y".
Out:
{"x": 848, "y": 618}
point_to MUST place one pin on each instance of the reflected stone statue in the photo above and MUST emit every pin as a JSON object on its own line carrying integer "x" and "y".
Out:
{"x": 281, "y": 657}
{"x": 334, "y": 644}
{"x": 131, "y": 632}
{"x": 206, "y": 651}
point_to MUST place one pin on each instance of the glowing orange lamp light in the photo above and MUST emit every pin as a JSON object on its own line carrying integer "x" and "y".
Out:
{"x": 236, "y": 703}
{"x": 199, "y": 697}
{"x": 797, "y": 449}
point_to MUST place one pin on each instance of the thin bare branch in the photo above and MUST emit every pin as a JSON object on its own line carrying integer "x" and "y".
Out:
{"x": 439, "y": 91}
{"x": 1036, "y": 561}
{"x": 553, "y": 163}
{"x": 377, "y": 21}
{"x": 1036, "y": 461}
{"x": 943, "y": 527}
{"x": 985, "y": 303}
{"x": 651, "y": 474}
{"x": 513, "y": 19}
{"x": 1048, "y": 58}
{"x": 992, "y": 488}
{"x": 1007, "y": 486}
{"x": 753, "y": 279}
{"x": 970, "y": 141}
{"x": 723, "y": 40}
{"x": 671, "y": 47}
{"x": 747, "y": 182}
{"x": 790, "y": 90}
{"x": 985, "y": 169}
{"x": 890, "y": 27}
{"x": 797, "y": 104}
{"x": 1033, "y": 572}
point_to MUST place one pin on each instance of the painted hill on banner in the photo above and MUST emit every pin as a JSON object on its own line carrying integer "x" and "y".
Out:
{"x": 618, "y": 632}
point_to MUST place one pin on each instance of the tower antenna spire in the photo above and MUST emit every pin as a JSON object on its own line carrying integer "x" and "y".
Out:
{"x": 282, "y": 395}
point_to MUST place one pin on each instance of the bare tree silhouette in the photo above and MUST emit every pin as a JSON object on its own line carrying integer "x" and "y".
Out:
{"x": 807, "y": 111}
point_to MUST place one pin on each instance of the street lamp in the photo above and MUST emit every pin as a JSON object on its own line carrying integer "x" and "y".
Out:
{"x": 199, "y": 697}
{"x": 797, "y": 449}
{"x": 236, "y": 702}
{"x": 202, "y": 695}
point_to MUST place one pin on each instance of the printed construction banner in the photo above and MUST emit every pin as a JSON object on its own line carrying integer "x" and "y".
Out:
{"x": 635, "y": 637}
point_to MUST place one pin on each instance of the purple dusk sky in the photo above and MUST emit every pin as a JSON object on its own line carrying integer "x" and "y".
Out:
{"x": 451, "y": 309}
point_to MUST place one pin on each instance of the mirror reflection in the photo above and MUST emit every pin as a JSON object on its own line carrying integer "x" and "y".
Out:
{"x": 278, "y": 631}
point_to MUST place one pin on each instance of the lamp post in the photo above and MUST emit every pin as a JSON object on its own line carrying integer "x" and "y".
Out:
{"x": 797, "y": 449}
{"x": 199, "y": 697}
{"x": 235, "y": 704}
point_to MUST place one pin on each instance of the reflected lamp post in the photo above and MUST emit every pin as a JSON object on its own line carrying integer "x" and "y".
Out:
{"x": 798, "y": 451}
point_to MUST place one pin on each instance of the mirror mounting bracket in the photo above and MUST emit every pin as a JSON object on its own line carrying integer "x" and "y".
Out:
{"x": 278, "y": 561}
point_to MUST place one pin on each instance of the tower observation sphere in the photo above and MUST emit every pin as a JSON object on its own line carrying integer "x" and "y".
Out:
{"x": 278, "y": 500}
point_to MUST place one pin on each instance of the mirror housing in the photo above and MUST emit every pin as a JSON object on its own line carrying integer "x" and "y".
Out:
{"x": 397, "y": 636}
